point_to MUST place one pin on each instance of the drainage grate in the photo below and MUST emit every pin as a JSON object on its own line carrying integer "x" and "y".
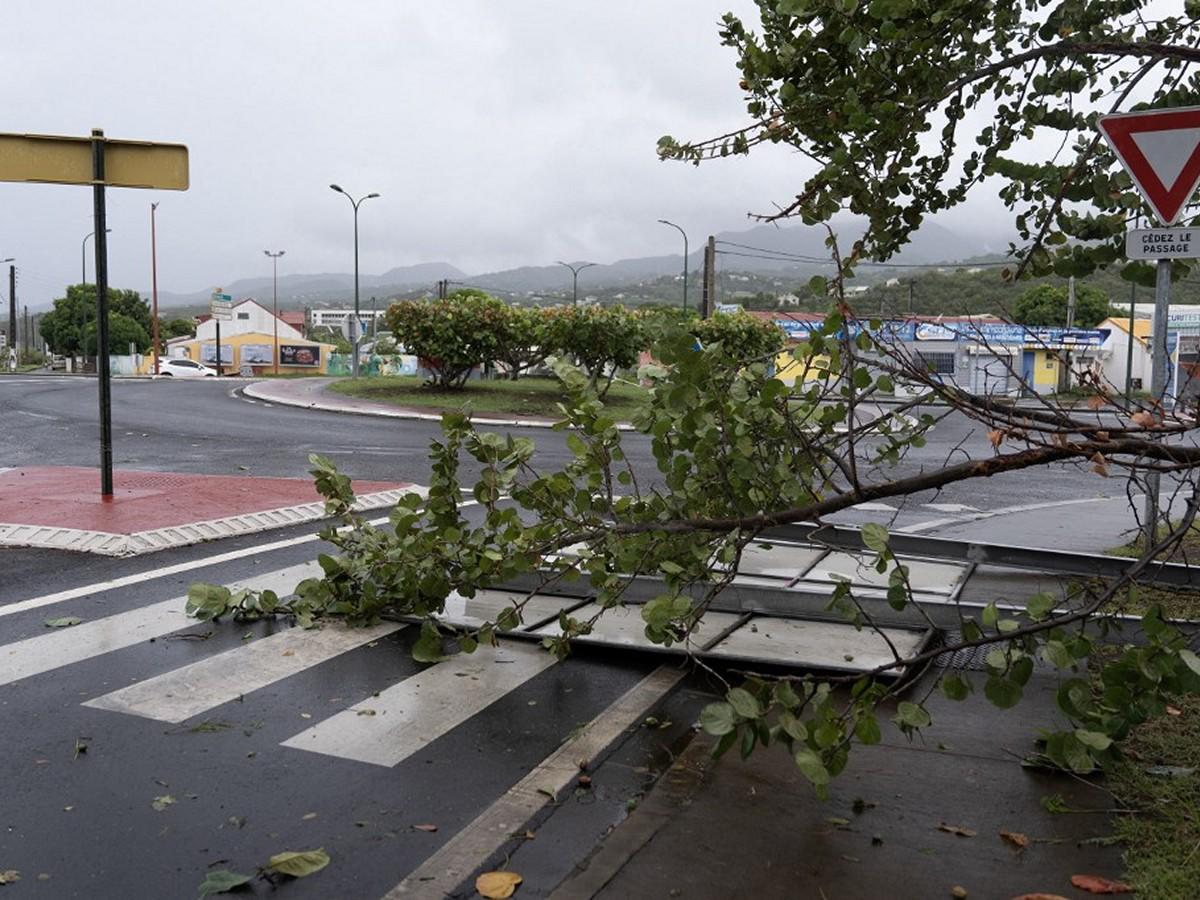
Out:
{"x": 971, "y": 658}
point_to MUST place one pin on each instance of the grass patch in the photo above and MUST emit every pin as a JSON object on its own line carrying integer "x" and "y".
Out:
{"x": 526, "y": 397}
{"x": 1162, "y": 839}
{"x": 1177, "y": 603}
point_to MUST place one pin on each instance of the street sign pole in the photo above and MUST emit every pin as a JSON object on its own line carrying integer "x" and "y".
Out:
{"x": 102, "y": 371}
{"x": 1158, "y": 381}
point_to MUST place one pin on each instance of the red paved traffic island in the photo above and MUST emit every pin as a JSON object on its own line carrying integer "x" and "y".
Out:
{"x": 61, "y": 507}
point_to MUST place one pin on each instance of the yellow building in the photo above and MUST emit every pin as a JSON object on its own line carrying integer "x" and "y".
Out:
{"x": 254, "y": 351}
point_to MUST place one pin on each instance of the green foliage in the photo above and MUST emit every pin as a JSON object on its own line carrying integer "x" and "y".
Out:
{"x": 1046, "y": 305}
{"x": 70, "y": 327}
{"x": 601, "y": 339}
{"x": 177, "y": 327}
{"x": 908, "y": 105}
{"x": 740, "y": 335}
{"x": 329, "y": 336}
{"x": 452, "y": 336}
{"x": 524, "y": 339}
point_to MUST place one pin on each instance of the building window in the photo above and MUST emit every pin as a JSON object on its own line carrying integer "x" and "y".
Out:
{"x": 937, "y": 363}
{"x": 243, "y": 315}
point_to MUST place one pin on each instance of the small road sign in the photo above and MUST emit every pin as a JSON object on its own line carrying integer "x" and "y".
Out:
{"x": 1162, "y": 243}
{"x": 1160, "y": 149}
{"x": 221, "y": 306}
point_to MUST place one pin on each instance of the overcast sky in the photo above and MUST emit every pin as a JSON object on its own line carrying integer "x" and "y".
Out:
{"x": 498, "y": 134}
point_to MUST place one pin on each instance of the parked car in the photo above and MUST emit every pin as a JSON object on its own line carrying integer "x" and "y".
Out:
{"x": 184, "y": 368}
{"x": 57, "y": 362}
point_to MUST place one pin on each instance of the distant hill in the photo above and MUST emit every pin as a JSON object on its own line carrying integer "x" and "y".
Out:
{"x": 752, "y": 250}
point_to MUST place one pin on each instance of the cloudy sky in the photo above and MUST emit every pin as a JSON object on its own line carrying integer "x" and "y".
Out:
{"x": 498, "y": 134}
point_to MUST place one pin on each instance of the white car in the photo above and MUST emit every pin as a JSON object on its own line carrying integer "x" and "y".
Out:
{"x": 184, "y": 368}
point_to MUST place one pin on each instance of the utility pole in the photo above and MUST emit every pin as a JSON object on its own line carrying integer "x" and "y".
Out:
{"x": 1129, "y": 345}
{"x": 710, "y": 269}
{"x": 275, "y": 302}
{"x": 1158, "y": 383}
{"x": 1064, "y": 372}
{"x": 12, "y": 310}
{"x": 154, "y": 287}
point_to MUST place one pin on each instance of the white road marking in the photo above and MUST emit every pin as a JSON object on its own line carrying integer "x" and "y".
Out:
{"x": 25, "y": 412}
{"x": 386, "y": 729}
{"x": 188, "y": 691}
{"x": 951, "y": 507}
{"x": 445, "y": 870}
{"x": 1003, "y": 511}
{"x": 874, "y": 507}
{"x": 161, "y": 572}
{"x": 64, "y": 646}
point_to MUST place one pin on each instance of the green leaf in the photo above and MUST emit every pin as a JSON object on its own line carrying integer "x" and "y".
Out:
{"x": 744, "y": 703}
{"x": 298, "y": 864}
{"x": 222, "y": 881}
{"x": 1040, "y": 606}
{"x": 875, "y": 536}
{"x": 955, "y": 688}
{"x": 1056, "y": 653}
{"x": 989, "y": 616}
{"x": 1191, "y": 660}
{"x": 792, "y": 726}
{"x": 428, "y": 647}
{"x": 1093, "y": 739}
{"x": 912, "y": 715}
{"x": 207, "y": 601}
{"x": 785, "y": 696}
{"x": 63, "y": 622}
{"x": 866, "y": 729}
{"x": 811, "y": 766}
{"x": 1002, "y": 692}
{"x": 718, "y": 719}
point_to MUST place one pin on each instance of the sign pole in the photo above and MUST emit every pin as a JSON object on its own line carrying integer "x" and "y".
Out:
{"x": 105, "y": 377}
{"x": 219, "y": 372}
{"x": 1158, "y": 383}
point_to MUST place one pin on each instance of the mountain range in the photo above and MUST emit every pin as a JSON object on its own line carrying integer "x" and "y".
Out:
{"x": 753, "y": 250}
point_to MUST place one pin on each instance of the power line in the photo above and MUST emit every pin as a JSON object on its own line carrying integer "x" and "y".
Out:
{"x": 784, "y": 256}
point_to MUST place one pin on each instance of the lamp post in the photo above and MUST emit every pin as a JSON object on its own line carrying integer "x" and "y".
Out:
{"x": 685, "y": 258}
{"x": 575, "y": 270}
{"x": 354, "y": 321}
{"x": 275, "y": 298}
{"x": 12, "y": 309}
{"x": 83, "y": 280}
{"x": 154, "y": 287}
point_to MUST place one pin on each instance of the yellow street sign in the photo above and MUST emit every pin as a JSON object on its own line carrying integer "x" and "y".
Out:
{"x": 68, "y": 160}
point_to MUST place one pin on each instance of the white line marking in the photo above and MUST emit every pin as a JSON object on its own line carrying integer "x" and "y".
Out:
{"x": 386, "y": 729}
{"x": 874, "y": 507}
{"x": 188, "y": 691}
{"x": 1003, "y": 511}
{"x": 161, "y": 572}
{"x": 64, "y": 646}
{"x": 445, "y": 870}
{"x": 25, "y": 412}
{"x": 951, "y": 507}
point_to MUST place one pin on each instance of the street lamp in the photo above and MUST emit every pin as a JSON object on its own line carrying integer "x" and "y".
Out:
{"x": 685, "y": 258}
{"x": 354, "y": 323}
{"x": 575, "y": 270}
{"x": 275, "y": 298}
{"x": 83, "y": 255}
{"x": 12, "y": 313}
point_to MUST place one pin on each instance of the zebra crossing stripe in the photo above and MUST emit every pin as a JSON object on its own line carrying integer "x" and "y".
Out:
{"x": 188, "y": 691}
{"x": 62, "y": 647}
{"x": 388, "y": 728}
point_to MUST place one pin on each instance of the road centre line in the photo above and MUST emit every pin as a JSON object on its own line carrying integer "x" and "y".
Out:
{"x": 438, "y": 876}
{"x": 387, "y": 728}
{"x": 181, "y": 693}
{"x": 64, "y": 646}
{"x": 1003, "y": 511}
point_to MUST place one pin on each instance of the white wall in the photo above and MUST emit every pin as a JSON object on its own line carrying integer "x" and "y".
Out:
{"x": 259, "y": 320}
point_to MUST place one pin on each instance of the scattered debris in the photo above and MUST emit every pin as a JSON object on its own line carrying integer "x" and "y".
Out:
{"x": 63, "y": 622}
{"x": 957, "y": 830}
{"x": 1171, "y": 771}
{"x": 1015, "y": 838}
{"x": 222, "y": 881}
{"x": 161, "y": 803}
{"x": 9, "y": 876}
{"x": 307, "y": 817}
{"x": 958, "y": 892}
{"x": 298, "y": 863}
{"x": 1097, "y": 884}
{"x": 429, "y": 828}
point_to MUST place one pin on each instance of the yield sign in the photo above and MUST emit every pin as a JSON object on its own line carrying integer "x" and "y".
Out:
{"x": 1160, "y": 149}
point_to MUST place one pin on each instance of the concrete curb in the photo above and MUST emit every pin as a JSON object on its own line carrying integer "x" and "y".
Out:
{"x": 261, "y": 390}
{"x": 105, "y": 543}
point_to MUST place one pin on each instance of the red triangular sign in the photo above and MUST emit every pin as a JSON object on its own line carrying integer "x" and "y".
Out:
{"x": 1160, "y": 149}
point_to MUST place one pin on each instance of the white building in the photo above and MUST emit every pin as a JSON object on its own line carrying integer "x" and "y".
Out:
{"x": 338, "y": 318}
{"x": 249, "y": 317}
{"x": 1117, "y": 343}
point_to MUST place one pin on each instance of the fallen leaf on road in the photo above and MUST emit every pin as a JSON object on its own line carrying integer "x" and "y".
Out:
{"x": 161, "y": 803}
{"x": 995, "y": 437}
{"x": 366, "y": 712}
{"x": 222, "y": 881}
{"x": 1040, "y": 897}
{"x": 1015, "y": 838}
{"x": 497, "y": 885}
{"x": 1174, "y": 711}
{"x": 289, "y": 653}
{"x": 1096, "y": 401}
{"x": 957, "y": 829}
{"x": 298, "y": 863}
{"x": 1097, "y": 884}
{"x": 63, "y": 622}
{"x": 307, "y": 816}
{"x": 1142, "y": 419}
{"x": 8, "y": 876}
{"x": 585, "y": 780}
{"x": 425, "y": 827}
{"x": 958, "y": 892}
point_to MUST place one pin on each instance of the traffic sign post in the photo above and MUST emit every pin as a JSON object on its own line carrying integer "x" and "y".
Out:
{"x": 1160, "y": 149}
{"x": 99, "y": 162}
{"x": 222, "y": 311}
